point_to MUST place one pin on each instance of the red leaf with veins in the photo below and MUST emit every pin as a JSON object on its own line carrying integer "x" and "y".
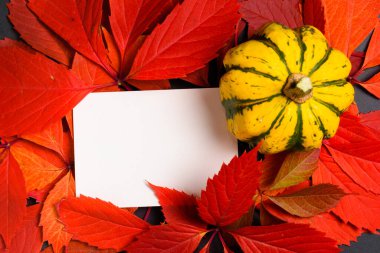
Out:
{"x": 187, "y": 39}
{"x": 372, "y": 85}
{"x": 371, "y": 120}
{"x": 100, "y": 223}
{"x": 78, "y": 23}
{"x": 372, "y": 56}
{"x": 34, "y": 91}
{"x": 229, "y": 194}
{"x": 367, "y": 205}
{"x": 327, "y": 223}
{"x": 168, "y": 238}
{"x": 28, "y": 238}
{"x": 12, "y": 196}
{"x": 258, "y": 13}
{"x": 313, "y": 13}
{"x": 36, "y": 34}
{"x": 178, "y": 207}
{"x": 283, "y": 238}
{"x": 346, "y": 23}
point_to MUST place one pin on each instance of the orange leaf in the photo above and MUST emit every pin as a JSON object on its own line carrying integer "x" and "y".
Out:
{"x": 28, "y": 238}
{"x": 310, "y": 201}
{"x": 100, "y": 223}
{"x": 36, "y": 34}
{"x": 53, "y": 229}
{"x": 371, "y": 119}
{"x": 348, "y": 23}
{"x": 12, "y": 196}
{"x": 372, "y": 56}
{"x": 81, "y": 247}
{"x": 297, "y": 167}
{"x": 53, "y": 137}
{"x": 39, "y": 166}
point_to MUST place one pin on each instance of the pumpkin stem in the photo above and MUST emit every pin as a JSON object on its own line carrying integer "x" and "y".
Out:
{"x": 298, "y": 88}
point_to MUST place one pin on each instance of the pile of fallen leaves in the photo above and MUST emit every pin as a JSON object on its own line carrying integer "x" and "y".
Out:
{"x": 307, "y": 201}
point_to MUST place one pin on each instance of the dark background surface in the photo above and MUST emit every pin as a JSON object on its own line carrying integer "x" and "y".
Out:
{"x": 367, "y": 243}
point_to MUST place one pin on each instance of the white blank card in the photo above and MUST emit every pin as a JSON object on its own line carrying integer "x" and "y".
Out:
{"x": 171, "y": 138}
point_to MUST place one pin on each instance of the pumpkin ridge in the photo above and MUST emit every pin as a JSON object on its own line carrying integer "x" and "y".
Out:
{"x": 321, "y": 62}
{"x": 295, "y": 141}
{"x": 252, "y": 70}
{"x": 321, "y": 126}
{"x": 235, "y": 105}
{"x": 269, "y": 43}
{"x": 328, "y": 105}
{"x": 255, "y": 140}
{"x": 339, "y": 82}
{"x": 302, "y": 46}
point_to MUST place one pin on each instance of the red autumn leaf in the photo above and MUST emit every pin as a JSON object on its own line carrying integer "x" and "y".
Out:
{"x": 310, "y": 201}
{"x": 327, "y": 223}
{"x": 372, "y": 85}
{"x": 81, "y": 247}
{"x": 198, "y": 77}
{"x": 346, "y": 23}
{"x": 36, "y": 34}
{"x": 35, "y": 91}
{"x": 371, "y": 120}
{"x": 356, "y": 60}
{"x": 283, "y": 238}
{"x": 53, "y": 229}
{"x": 28, "y": 238}
{"x": 270, "y": 167}
{"x": 53, "y": 137}
{"x": 142, "y": 15}
{"x": 372, "y": 56}
{"x": 360, "y": 161}
{"x": 313, "y": 13}
{"x": 257, "y": 13}
{"x": 178, "y": 207}
{"x": 187, "y": 39}
{"x": 168, "y": 238}
{"x": 12, "y": 196}
{"x": 367, "y": 205}
{"x": 100, "y": 223}
{"x": 78, "y": 23}
{"x": 296, "y": 168}
{"x": 39, "y": 165}
{"x": 229, "y": 194}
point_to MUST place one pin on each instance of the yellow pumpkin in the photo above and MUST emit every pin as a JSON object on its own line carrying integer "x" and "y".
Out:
{"x": 287, "y": 88}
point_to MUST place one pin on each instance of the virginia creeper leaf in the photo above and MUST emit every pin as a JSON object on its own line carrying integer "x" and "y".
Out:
{"x": 360, "y": 161}
{"x": 12, "y": 196}
{"x": 313, "y": 13}
{"x": 178, "y": 207}
{"x": 372, "y": 85}
{"x": 270, "y": 167}
{"x": 372, "y": 56}
{"x": 198, "y": 77}
{"x": 34, "y": 91}
{"x": 28, "y": 238}
{"x": 188, "y": 38}
{"x": 53, "y": 229}
{"x": 327, "y": 223}
{"x": 81, "y": 247}
{"x": 36, "y": 34}
{"x": 371, "y": 119}
{"x": 54, "y": 138}
{"x": 310, "y": 201}
{"x": 283, "y": 238}
{"x": 367, "y": 205}
{"x": 258, "y": 13}
{"x": 297, "y": 167}
{"x": 168, "y": 238}
{"x": 356, "y": 59}
{"x": 229, "y": 194}
{"x": 78, "y": 23}
{"x": 347, "y": 23}
{"x": 141, "y": 15}
{"x": 100, "y": 223}
{"x": 39, "y": 165}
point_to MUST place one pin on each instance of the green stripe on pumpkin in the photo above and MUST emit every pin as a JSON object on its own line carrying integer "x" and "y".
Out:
{"x": 252, "y": 70}
{"x": 323, "y": 60}
{"x": 295, "y": 141}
